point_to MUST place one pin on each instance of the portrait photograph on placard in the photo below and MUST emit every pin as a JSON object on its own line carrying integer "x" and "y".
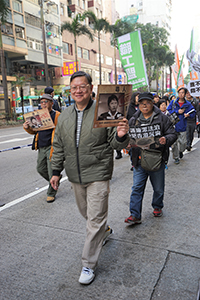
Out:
{"x": 112, "y": 104}
{"x": 39, "y": 119}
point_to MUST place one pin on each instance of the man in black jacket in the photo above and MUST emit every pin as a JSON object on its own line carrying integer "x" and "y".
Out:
{"x": 149, "y": 122}
{"x": 49, "y": 90}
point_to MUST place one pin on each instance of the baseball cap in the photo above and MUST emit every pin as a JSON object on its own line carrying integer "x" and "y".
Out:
{"x": 47, "y": 97}
{"x": 145, "y": 96}
{"x": 48, "y": 90}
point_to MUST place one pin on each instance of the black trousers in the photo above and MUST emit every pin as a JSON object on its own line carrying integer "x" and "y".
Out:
{"x": 190, "y": 133}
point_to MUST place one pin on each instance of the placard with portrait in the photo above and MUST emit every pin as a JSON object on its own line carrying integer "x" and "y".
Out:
{"x": 112, "y": 104}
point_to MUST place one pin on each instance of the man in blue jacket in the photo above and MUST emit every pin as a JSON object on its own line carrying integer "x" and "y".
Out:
{"x": 184, "y": 109}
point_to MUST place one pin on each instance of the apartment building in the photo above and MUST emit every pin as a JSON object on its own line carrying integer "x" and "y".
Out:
{"x": 156, "y": 12}
{"x": 88, "y": 54}
{"x": 24, "y": 42}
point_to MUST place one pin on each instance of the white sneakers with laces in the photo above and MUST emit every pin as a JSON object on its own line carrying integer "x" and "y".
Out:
{"x": 87, "y": 276}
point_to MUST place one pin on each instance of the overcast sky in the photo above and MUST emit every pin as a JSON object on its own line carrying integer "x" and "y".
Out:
{"x": 185, "y": 16}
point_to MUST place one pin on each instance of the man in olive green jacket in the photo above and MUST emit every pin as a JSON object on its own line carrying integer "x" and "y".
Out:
{"x": 87, "y": 154}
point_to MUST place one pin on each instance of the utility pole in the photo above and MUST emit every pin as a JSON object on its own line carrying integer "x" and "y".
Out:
{"x": 44, "y": 43}
{"x": 4, "y": 79}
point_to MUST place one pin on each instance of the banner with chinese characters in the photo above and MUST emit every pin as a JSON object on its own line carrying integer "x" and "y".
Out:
{"x": 69, "y": 68}
{"x": 145, "y": 135}
{"x": 193, "y": 74}
{"x": 194, "y": 88}
{"x": 132, "y": 59}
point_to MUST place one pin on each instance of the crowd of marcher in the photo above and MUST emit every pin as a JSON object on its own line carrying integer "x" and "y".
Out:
{"x": 152, "y": 125}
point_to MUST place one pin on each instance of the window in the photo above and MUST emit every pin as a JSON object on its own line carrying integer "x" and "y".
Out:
{"x": 83, "y": 4}
{"x": 19, "y": 32}
{"x": 34, "y": 44}
{"x": 103, "y": 76}
{"x": 62, "y": 9}
{"x": 54, "y": 8}
{"x": 109, "y": 60}
{"x": 7, "y": 3}
{"x": 52, "y": 30}
{"x": 54, "y": 50}
{"x": 86, "y": 54}
{"x": 96, "y": 76}
{"x": 17, "y": 5}
{"x": 78, "y": 2}
{"x": 67, "y": 48}
{"x": 102, "y": 58}
{"x": 32, "y": 20}
{"x": 18, "y": 18}
{"x": 79, "y": 50}
{"x": 118, "y": 63}
{"x": 7, "y": 29}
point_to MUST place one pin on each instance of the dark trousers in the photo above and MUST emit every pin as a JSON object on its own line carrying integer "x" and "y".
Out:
{"x": 140, "y": 177}
{"x": 44, "y": 168}
{"x": 190, "y": 133}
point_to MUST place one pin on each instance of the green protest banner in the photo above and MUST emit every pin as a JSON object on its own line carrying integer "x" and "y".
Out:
{"x": 132, "y": 59}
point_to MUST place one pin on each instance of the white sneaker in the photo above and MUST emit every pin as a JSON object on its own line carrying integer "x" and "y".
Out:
{"x": 87, "y": 276}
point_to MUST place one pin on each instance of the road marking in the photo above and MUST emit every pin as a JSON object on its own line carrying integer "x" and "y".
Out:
{"x": 5, "y": 136}
{"x": 195, "y": 140}
{"x": 15, "y": 140}
{"x": 19, "y": 200}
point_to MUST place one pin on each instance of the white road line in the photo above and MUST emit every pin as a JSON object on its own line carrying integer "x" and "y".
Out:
{"x": 195, "y": 140}
{"x": 12, "y": 203}
{"x": 16, "y": 140}
{"x": 5, "y": 136}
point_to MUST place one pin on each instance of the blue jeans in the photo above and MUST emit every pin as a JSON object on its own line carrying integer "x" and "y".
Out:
{"x": 140, "y": 177}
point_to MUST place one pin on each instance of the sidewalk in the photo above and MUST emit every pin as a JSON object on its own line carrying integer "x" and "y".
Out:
{"x": 41, "y": 243}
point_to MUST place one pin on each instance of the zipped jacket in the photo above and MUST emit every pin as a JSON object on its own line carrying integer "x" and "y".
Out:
{"x": 92, "y": 160}
{"x": 166, "y": 128}
{"x": 174, "y": 107}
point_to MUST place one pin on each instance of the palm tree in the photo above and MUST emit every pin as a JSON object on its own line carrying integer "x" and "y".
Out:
{"x": 119, "y": 28}
{"x": 97, "y": 25}
{"x": 76, "y": 28}
{"x": 3, "y": 16}
{"x": 20, "y": 82}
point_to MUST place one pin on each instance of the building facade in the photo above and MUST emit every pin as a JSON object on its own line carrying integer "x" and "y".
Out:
{"x": 33, "y": 32}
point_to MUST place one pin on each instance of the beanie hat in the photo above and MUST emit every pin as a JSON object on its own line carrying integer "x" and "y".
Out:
{"x": 48, "y": 90}
{"x": 145, "y": 96}
{"x": 47, "y": 97}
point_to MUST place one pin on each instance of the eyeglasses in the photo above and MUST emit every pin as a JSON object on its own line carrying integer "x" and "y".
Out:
{"x": 45, "y": 101}
{"x": 145, "y": 104}
{"x": 82, "y": 88}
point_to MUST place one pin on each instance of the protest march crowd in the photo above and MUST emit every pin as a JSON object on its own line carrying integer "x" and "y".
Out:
{"x": 151, "y": 126}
